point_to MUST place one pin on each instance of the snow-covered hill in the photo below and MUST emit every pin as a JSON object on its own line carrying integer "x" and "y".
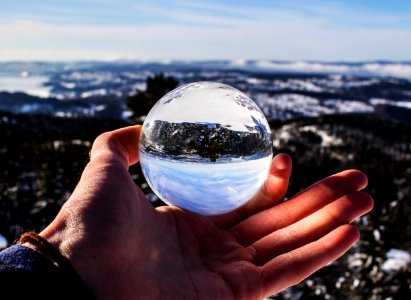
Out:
{"x": 284, "y": 90}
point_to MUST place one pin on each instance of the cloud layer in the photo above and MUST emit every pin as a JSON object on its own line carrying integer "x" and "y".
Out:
{"x": 202, "y": 30}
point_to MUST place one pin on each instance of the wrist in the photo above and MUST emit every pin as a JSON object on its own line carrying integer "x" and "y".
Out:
{"x": 39, "y": 244}
{"x": 88, "y": 266}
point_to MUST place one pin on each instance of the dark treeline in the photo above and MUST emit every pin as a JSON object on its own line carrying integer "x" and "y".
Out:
{"x": 204, "y": 141}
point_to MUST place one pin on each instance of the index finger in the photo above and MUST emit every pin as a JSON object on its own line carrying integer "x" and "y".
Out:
{"x": 291, "y": 268}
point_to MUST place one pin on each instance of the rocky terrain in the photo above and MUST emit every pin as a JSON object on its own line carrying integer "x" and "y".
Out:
{"x": 41, "y": 159}
{"x": 379, "y": 266}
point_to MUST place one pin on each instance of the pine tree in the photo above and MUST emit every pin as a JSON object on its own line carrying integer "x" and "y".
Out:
{"x": 156, "y": 87}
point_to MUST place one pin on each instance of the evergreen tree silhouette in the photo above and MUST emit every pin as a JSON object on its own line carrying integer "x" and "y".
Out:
{"x": 156, "y": 87}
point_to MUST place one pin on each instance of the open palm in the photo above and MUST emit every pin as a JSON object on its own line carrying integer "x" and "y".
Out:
{"x": 125, "y": 249}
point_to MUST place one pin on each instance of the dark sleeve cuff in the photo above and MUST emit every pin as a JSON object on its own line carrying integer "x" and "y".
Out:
{"x": 25, "y": 272}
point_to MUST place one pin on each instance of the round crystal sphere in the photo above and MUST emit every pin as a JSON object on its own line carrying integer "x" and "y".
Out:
{"x": 205, "y": 147}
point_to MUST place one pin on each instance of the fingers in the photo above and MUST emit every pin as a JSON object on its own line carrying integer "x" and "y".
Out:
{"x": 292, "y": 267}
{"x": 273, "y": 190}
{"x": 120, "y": 144}
{"x": 106, "y": 176}
{"x": 111, "y": 154}
{"x": 340, "y": 212}
{"x": 300, "y": 206}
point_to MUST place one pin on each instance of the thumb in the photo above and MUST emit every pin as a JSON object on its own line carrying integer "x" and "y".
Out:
{"x": 120, "y": 144}
{"x": 106, "y": 175}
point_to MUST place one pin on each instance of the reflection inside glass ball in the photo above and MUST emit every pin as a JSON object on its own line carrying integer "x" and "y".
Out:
{"x": 205, "y": 147}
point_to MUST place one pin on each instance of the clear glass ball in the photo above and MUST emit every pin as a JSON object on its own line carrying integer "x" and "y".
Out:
{"x": 205, "y": 147}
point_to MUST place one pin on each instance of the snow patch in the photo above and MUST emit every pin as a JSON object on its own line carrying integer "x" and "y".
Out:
{"x": 377, "y": 101}
{"x": 397, "y": 261}
{"x": 327, "y": 140}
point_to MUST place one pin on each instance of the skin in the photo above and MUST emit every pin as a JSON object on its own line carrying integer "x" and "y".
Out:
{"x": 123, "y": 248}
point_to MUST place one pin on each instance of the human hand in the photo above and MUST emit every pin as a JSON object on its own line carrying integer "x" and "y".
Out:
{"x": 124, "y": 248}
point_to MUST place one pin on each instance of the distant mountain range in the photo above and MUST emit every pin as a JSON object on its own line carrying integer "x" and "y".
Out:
{"x": 398, "y": 69}
{"x": 283, "y": 90}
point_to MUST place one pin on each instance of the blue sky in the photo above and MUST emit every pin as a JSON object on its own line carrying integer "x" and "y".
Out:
{"x": 207, "y": 29}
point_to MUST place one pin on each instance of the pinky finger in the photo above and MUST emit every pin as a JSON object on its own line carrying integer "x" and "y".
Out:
{"x": 291, "y": 268}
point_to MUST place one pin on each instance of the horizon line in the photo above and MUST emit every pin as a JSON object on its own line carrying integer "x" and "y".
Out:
{"x": 176, "y": 60}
